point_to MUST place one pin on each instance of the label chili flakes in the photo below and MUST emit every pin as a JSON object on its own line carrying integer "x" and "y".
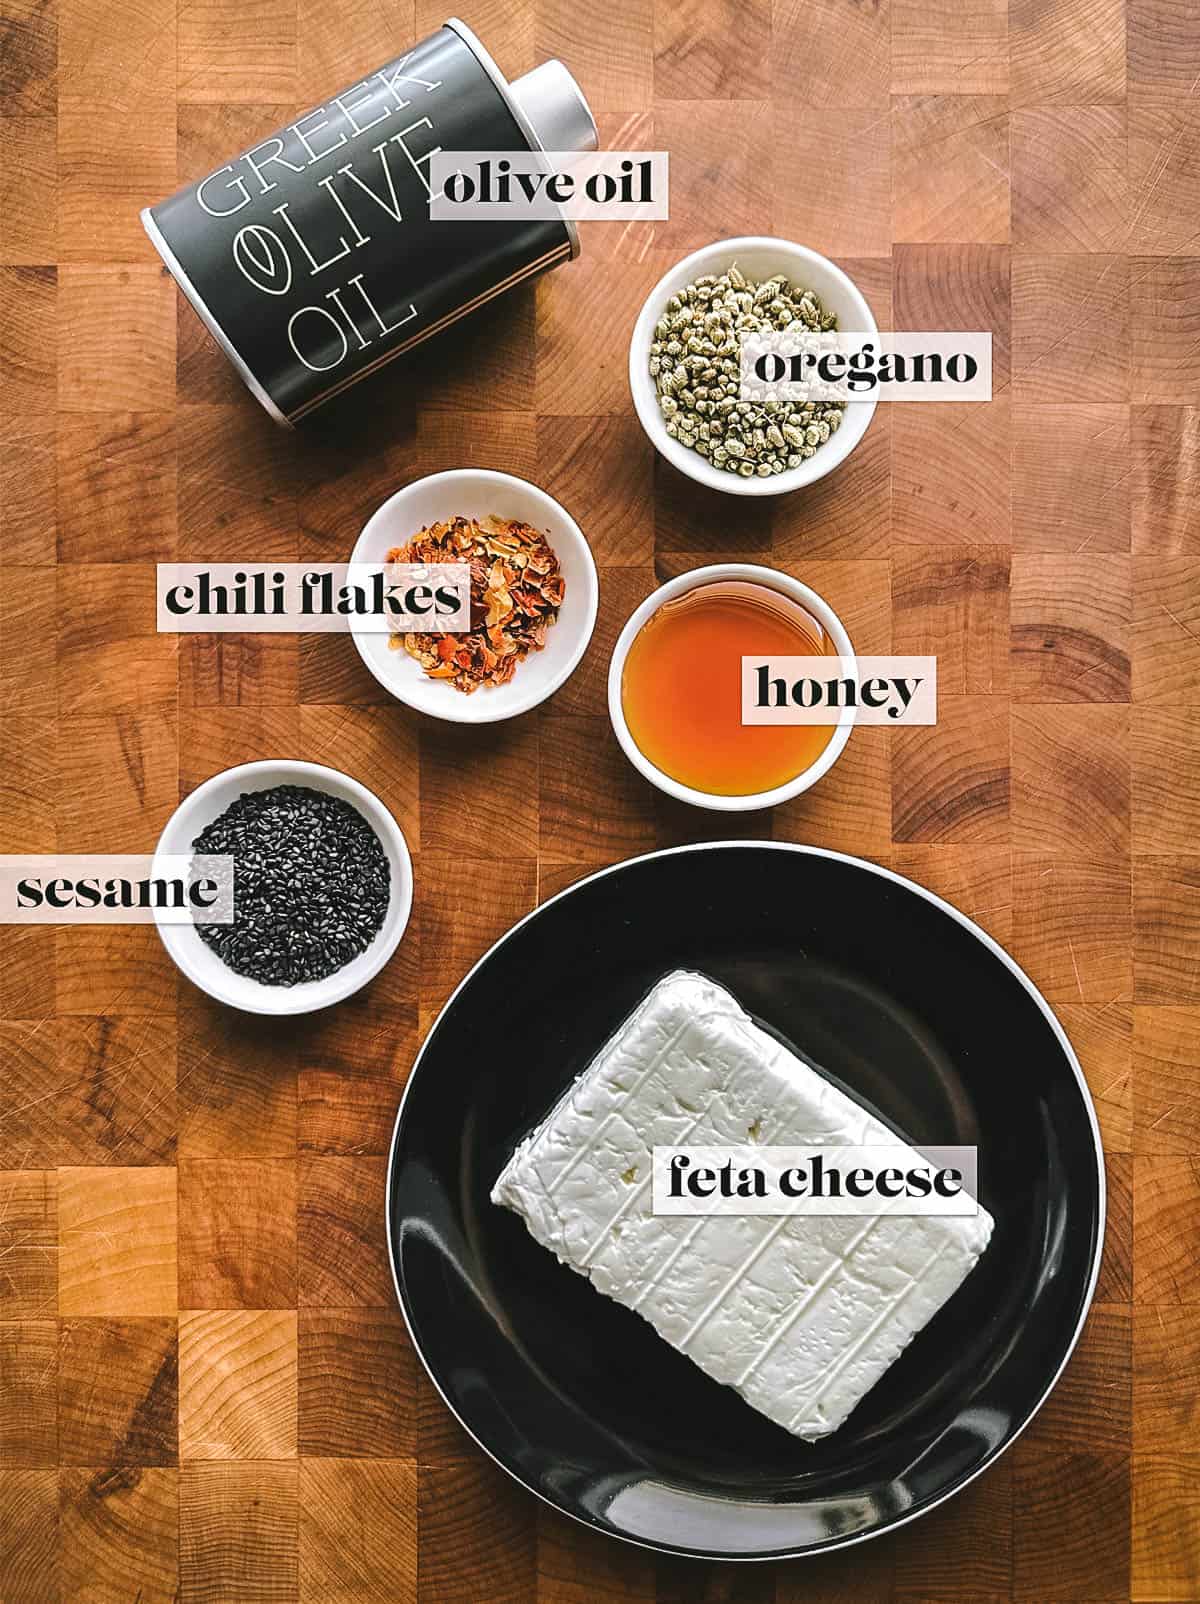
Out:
{"x": 516, "y": 591}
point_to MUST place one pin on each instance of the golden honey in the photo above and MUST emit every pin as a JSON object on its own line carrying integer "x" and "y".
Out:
{"x": 681, "y": 688}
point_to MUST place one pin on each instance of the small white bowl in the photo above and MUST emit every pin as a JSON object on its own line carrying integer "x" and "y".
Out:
{"x": 694, "y": 580}
{"x": 212, "y": 974}
{"x": 475, "y": 493}
{"x": 759, "y": 257}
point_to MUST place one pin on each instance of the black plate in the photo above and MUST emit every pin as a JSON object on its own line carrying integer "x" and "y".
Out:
{"x": 893, "y": 993}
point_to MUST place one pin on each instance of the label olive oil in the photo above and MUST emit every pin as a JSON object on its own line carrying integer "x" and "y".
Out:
{"x": 681, "y": 688}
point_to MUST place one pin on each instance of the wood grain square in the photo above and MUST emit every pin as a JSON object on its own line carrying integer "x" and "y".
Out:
{"x": 1166, "y": 934}
{"x": 117, "y": 1241}
{"x": 28, "y": 807}
{"x": 1051, "y": 509}
{"x": 1166, "y": 811}
{"x": 1070, "y": 779}
{"x": 1067, "y": 52}
{"x": 574, "y": 1565}
{"x": 1164, "y": 53}
{"x": 976, "y": 880}
{"x": 850, "y": 810}
{"x": 228, "y": 670}
{"x": 376, "y": 1498}
{"x": 1115, "y": 1281}
{"x": 238, "y": 1531}
{"x": 29, "y": 60}
{"x": 1166, "y": 1352}
{"x": 507, "y": 441}
{"x": 237, "y": 487}
{"x": 219, "y": 738}
{"x": 335, "y": 47}
{"x": 1164, "y": 321}
{"x": 941, "y": 47}
{"x": 342, "y": 1252}
{"x": 830, "y": 54}
{"x": 237, "y": 1237}
{"x": 1070, "y": 190}
{"x": 718, "y": 51}
{"x": 1166, "y": 1080}
{"x": 964, "y": 286}
{"x": 1166, "y": 629}
{"x": 859, "y": 592}
{"x": 119, "y": 1532}
{"x": 111, "y": 166}
{"x": 1103, "y": 1041}
{"x": 954, "y": 605}
{"x": 613, "y": 56}
{"x": 28, "y": 1392}
{"x": 28, "y": 493}
{"x": 115, "y": 1102}
{"x": 28, "y": 343}
{"x": 455, "y": 927}
{"x": 865, "y": 1577}
{"x": 354, "y": 1061}
{"x": 1071, "y": 925}
{"x": 588, "y": 793}
{"x": 116, "y": 489}
{"x": 576, "y": 374}
{"x": 1164, "y": 174}
{"x": 1166, "y": 1527}
{"x": 951, "y": 474}
{"x": 495, "y": 766}
{"x": 116, "y": 350}
{"x": 477, "y": 1535}
{"x": 1086, "y": 1495}
{"x": 237, "y": 52}
{"x": 950, "y": 167}
{"x": 964, "y": 1551}
{"x": 602, "y": 470}
{"x": 137, "y": 754}
{"x": 377, "y": 746}
{"x": 1165, "y": 469}
{"x": 358, "y": 1384}
{"x": 1091, "y": 1407}
{"x": 1070, "y": 334}
{"x": 846, "y": 514}
{"x": 832, "y": 178}
{"x": 1166, "y": 1229}
{"x": 27, "y": 978}
{"x": 29, "y": 1536}
{"x": 681, "y": 524}
{"x": 950, "y": 780}
{"x": 112, "y": 969}
{"x": 118, "y": 1392}
{"x": 28, "y": 189}
{"x": 28, "y": 671}
{"x": 331, "y": 674}
{"x": 111, "y": 660}
{"x": 237, "y": 1384}
{"x": 1070, "y": 628}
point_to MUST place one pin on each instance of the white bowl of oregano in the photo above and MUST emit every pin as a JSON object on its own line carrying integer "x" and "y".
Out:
{"x": 684, "y": 366}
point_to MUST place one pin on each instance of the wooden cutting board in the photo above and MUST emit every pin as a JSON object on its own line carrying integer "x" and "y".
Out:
{"x": 205, "y": 1389}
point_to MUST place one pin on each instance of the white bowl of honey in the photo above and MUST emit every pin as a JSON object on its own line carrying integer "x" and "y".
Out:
{"x": 675, "y": 687}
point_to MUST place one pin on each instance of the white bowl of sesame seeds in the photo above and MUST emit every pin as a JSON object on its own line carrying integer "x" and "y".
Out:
{"x": 757, "y": 257}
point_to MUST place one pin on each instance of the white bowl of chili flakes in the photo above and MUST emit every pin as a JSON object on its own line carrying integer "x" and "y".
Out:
{"x": 429, "y": 675}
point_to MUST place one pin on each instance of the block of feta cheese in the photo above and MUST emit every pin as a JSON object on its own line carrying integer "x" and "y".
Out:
{"x": 801, "y": 1315}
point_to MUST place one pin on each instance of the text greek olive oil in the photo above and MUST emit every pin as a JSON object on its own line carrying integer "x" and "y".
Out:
{"x": 681, "y": 688}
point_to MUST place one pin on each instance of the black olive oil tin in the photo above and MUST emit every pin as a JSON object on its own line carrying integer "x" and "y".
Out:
{"x": 311, "y": 257}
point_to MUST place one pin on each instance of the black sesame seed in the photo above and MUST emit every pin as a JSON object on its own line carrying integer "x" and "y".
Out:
{"x": 311, "y": 884}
